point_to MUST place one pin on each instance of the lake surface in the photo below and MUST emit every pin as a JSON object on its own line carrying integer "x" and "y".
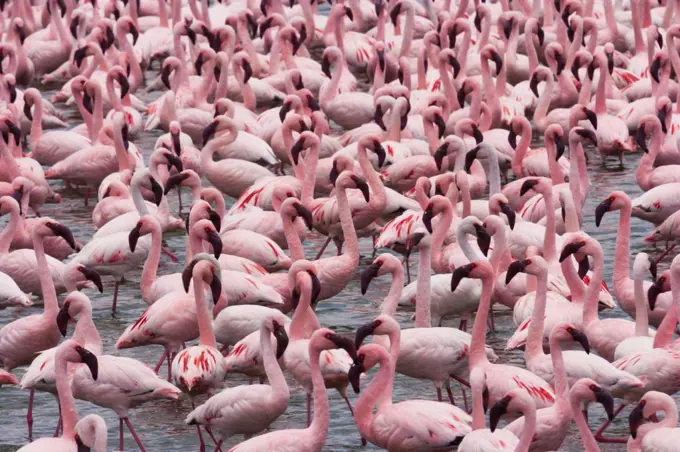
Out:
{"x": 161, "y": 424}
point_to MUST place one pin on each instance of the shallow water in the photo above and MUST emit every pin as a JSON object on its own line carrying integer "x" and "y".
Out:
{"x": 161, "y": 424}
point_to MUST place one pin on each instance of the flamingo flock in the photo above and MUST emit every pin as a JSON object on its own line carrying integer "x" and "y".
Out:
{"x": 461, "y": 155}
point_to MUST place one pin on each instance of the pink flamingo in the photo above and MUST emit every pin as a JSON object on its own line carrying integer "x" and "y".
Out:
{"x": 68, "y": 352}
{"x": 408, "y": 425}
{"x": 500, "y": 377}
{"x": 654, "y": 436}
{"x": 250, "y": 409}
{"x": 646, "y": 175}
{"x": 314, "y": 436}
{"x": 624, "y": 286}
{"x": 553, "y": 422}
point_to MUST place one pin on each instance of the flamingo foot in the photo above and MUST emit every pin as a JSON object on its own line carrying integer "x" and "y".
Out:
{"x": 29, "y": 416}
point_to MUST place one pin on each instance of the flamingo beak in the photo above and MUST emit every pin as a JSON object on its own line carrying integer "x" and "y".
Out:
{"x": 62, "y": 319}
{"x": 509, "y": 213}
{"x": 601, "y": 209}
{"x": 64, "y": 232}
{"x": 636, "y": 419}
{"x": 581, "y": 338}
{"x": 90, "y": 360}
{"x": 216, "y": 241}
{"x": 497, "y": 411}
{"x": 458, "y": 275}
{"x": 514, "y": 268}
{"x": 306, "y": 215}
{"x": 364, "y": 331}
{"x": 133, "y": 237}
{"x": 281, "y": 339}
{"x": 94, "y": 276}
{"x": 367, "y": 276}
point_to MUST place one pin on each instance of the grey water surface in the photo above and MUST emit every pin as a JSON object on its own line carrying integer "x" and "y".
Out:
{"x": 161, "y": 424}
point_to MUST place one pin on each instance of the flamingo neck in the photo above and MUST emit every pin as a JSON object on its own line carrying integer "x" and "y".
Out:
{"x": 593, "y": 291}
{"x": 499, "y": 249}
{"x": 310, "y": 163}
{"x": 69, "y": 414}
{"x": 378, "y": 196}
{"x": 297, "y": 252}
{"x": 478, "y": 339}
{"x": 406, "y": 42}
{"x": 439, "y": 235}
{"x": 645, "y": 168}
{"x": 600, "y": 94}
{"x": 8, "y": 233}
{"x": 534, "y": 346}
{"x": 610, "y": 18}
{"x": 471, "y": 253}
{"x": 575, "y": 181}
{"x": 490, "y": 90}
{"x": 206, "y": 337}
{"x": 477, "y": 390}
{"x": 97, "y": 116}
{"x": 394, "y": 125}
{"x": 622, "y": 253}
{"x": 463, "y": 52}
{"x": 138, "y": 200}
{"x": 544, "y": 101}
{"x": 46, "y": 283}
{"x": 331, "y": 92}
{"x": 584, "y": 429}
{"x": 389, "y": 306}
{"x": 423, "y": 316}
{"x": 321, "y": 420}
{"x": 348, "y": 231}
{"x": 163, "y": 14}
{"x": 447, "y": 83}
{"x": 304, "y": 321}
{"x": 549, "y": 247}
{"x": 494, "y": 174}
{"x": 529, "y": 429}
{"x": 86, "y": 332}
{"x": 271, "y": 367}
{"x": 531, "y": 52}
{"x": 375, "y": 391}
{"x": 521, "y": 151}
{"x": 641, "y": 315}
{"x": 575, "y": 45}
{"x": 36, "y": 124}
{"x": 151, "y": 265}
{"x": 576, "y": 286}
{"x": 560, "y": 377}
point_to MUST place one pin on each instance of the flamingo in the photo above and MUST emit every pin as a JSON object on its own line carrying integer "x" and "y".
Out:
{"x": 655, "y": 436}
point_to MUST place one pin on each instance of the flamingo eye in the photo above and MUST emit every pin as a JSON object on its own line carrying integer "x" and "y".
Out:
{"x": 330, "y": 336}
{"x": 594, "y": 387}
{"x": 378, "y": 322}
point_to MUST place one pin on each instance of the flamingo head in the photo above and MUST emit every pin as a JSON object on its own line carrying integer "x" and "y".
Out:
{"x": 480, "y": 269}
{"x": 514, "y": 401}
{"x": 577, "y": 245}
{"x": 383, "y": 264}
{"x": 206, "y": 268}
{"x": 659, "y": 286}
{"x": 617, "y": 200}
{"x": 205, "y": 230}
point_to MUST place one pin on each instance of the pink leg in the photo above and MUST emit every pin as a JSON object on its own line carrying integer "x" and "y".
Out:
{"x": 323, "y": 248}
{"x": 170, "y": 365}
{"x": 198, "y": 430}
{"x": 439, "y": 395}
{"x": 462, "y": 381}
{"x": 447, "y": 385}
{"x": 338, "y": 245}
{"x": 134, "y": 434}
{"x": 218, "y": 447}
{"x": 179, "y": 199}
{"x": 207, "y": 429}
{"x": 115, "y": 299}
{"x": 585, "y": 415}
{"x": 408, "y": 270}
{"x": 601, "y": 439}
{"x": 29, "y": 416}
{"x": 58, "y": 429}
{"x": 309, "y": 410}
{"x": 160, "y": 362}
{"x": 87, "y": 196}
{"x": 351, "y": 410}
{"x": 664, "y": 254}
{"x": 169, "y": 253}
{"x": 121, "y": 440}
{"x": 463, "y": 325}
{"x": 465, "y": 402}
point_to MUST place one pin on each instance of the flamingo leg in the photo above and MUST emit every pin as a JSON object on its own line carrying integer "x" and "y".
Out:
{"x": 218, "y": 447}
{"x": 323, "y": 248}
{"x": 351, "y": 410}
{"x": 160, "y": 362}
{"x": 465, "y": 402}
{"x": 121, "y": 440}
{"x": 447, "y": 385}
{"x": 309, "y": 410}
{"x": 29, "y": 416}
{"x": 463, "y": 325}
{"x": 115, "y": 299}
{"x": 338, "y": 245}
{"x": 585, "y": 415}
{"x": 200, "y": 438}
{"x": 665, "y": 253}
{"x": 439, "y": 395}
{"x": 408, "y": 270}
{"x": 207, "y": 429}
{"x": 58, "y": 429}
{"x": 170, "y": 365}
{"x": 169, "y": 253}
{"x": 179, "y": 200}
{"x": 599, "y": 434}
{"x": 134, "y": 434}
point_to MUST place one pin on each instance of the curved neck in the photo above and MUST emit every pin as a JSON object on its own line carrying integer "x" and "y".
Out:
{"x": 560, "y": 376}
{"x": 641, "y": 319}
{"x": 297, "y": 252}
{"x": 521, "y": 151}
{"x": 490, "y": 90}
{"x": 206, "y": 336}
{"x": 46, "y": 283}
{"x": 321, "y": 420}
{"x": 529, "y": 430}
{"x": 389, "y": 306}
{"x": 406, "y": 42}
{"x": 531, "y": 52}
{"x": 534, "y": 346}
{"x": 376, "y": 390}
{"x": 645, "y": 167}
{"x": 271, "y": 366}
{"x": 583, "y": 427}
{"x": 97, "y": 116}
{"x": 151, "y": 265}
{"x": 600, "y": 94}
{"x": 549, "y": 248}
{"x": 593, "y": 291}
{"x": 69, "y": 414}
{"x": 478, "y": 340}
{"x": 332, "y": 90}
{"x": 477, "y": 390}
{"x": 472, "y": 254}
{"x": 439, "y": 235}
{"x": 348, "y": 231}
{"x": 8, "y": 233}
{"x": 304, "y": 319}
{"x": 310, "y": 163}
{"x": 249, "y": 100}
{"x": 494, "y": 173}
{"x": 36, "y": 124}
{"x": 575, "y": 284}
{"x": 544, "y": 100}
{"x": 378, "y": 196}
{"x": 86, "y": 332}
{"x": 447, "y": 83}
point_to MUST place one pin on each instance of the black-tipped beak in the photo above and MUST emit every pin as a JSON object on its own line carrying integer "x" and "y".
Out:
{"x": 215, "y": 219}
{"x": 247, "y": 71}
{"x": 641, "y": 140}
{"x": 483, "y": 239}
{"x": 507, "y": 28}
{"x": 297, "y": 149}
{"x": 165, "y": 76}
{"x": 592, "y": 117}
{"x": 265, "y": 25}
{"x": 478, "y": 22}
{"x": 477, "y": 134}
{"x": 605, "y": 399}
{"x": 174, "y": 181}
{"x": 94, "y": 276}
{"x": 512, "y": 139}
{"x": 427, "y": 218}
{"x": 394, "y": 14}
{"x": 187, "y": 274}
{"x": 216, "y": 241}
{"x": 316, "y": 289}
{"x": 75, "y": 21}
{"x": 209, "y": 132}
{"x": 654, "y": 69}
{"x": 541, "y": 35}
{"x": 157, "y": 191}
{"x": 470, "y": 158}
{"x": 380, "y": 152}
{"x": 281, "y": 340}
{"x": 367, "y": 276}
{"x": 453, "y": 62}
{"x": 27, "y": 110}
{"x": 583, "y": 267}
{"x": 133, "y": 237}
{"x": 90, "y": 361}
{"x": 135, "y": 34}
{"x": 17, "y": 195}
{"x": 354, "y": 375}
{"x": 364, "y": 331}
{"x": 216, "y": 288}
{"x": 659, "y": 40}
{"x": 559, "y": 147}
{"x": 569, "y": 249}
{"x": 191, "y": 34}
{"x": 635, "y": 419}
{"x": 533, "y": 85}
{"x": 561, "y": 63}
{"x": 326, "y": 66}
{"x": 461, "y": 97}
{"x": 662, "y": 118}
{"x": 64, "y": 232}
{"x": 514, "y": 268}
{"x": 283, "y": 111}
{"x": 497, "y": 411}
{"x": 79, "y": 56}
{"x": 81, "y": 446}
{"x": 14, "y": 130}
{"x": 601, "y": 209}
{"x": 63, "y": 318}
{"x": 381, "y": 59}
{"x": 198, "y": 64}
{"x": 587, "y": 134}
{"x": 349, "y": 13}
{"x": 379, "y": 7}
{"x": 334, "y": 174}
{"x": 653, "y": 292}
{"x": 509, "y": 213}
{"x": 459, "y": 274}
{"x": 498, "y": 61}
{"x": 378, "y": 117}
{"x": 174, "y": 161}
{"x": 439, "y": 155}
{"x": 313, "y": 104}
{"x": 581, "y": 338}
{"x": 363, "y": 187}
{"x": 306, "y": 215}
{"x": 527, "y": 186}
{"x": 124, "y": 86}
{"x": 610, "y": 63}
{"x": 575, "y": 66}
